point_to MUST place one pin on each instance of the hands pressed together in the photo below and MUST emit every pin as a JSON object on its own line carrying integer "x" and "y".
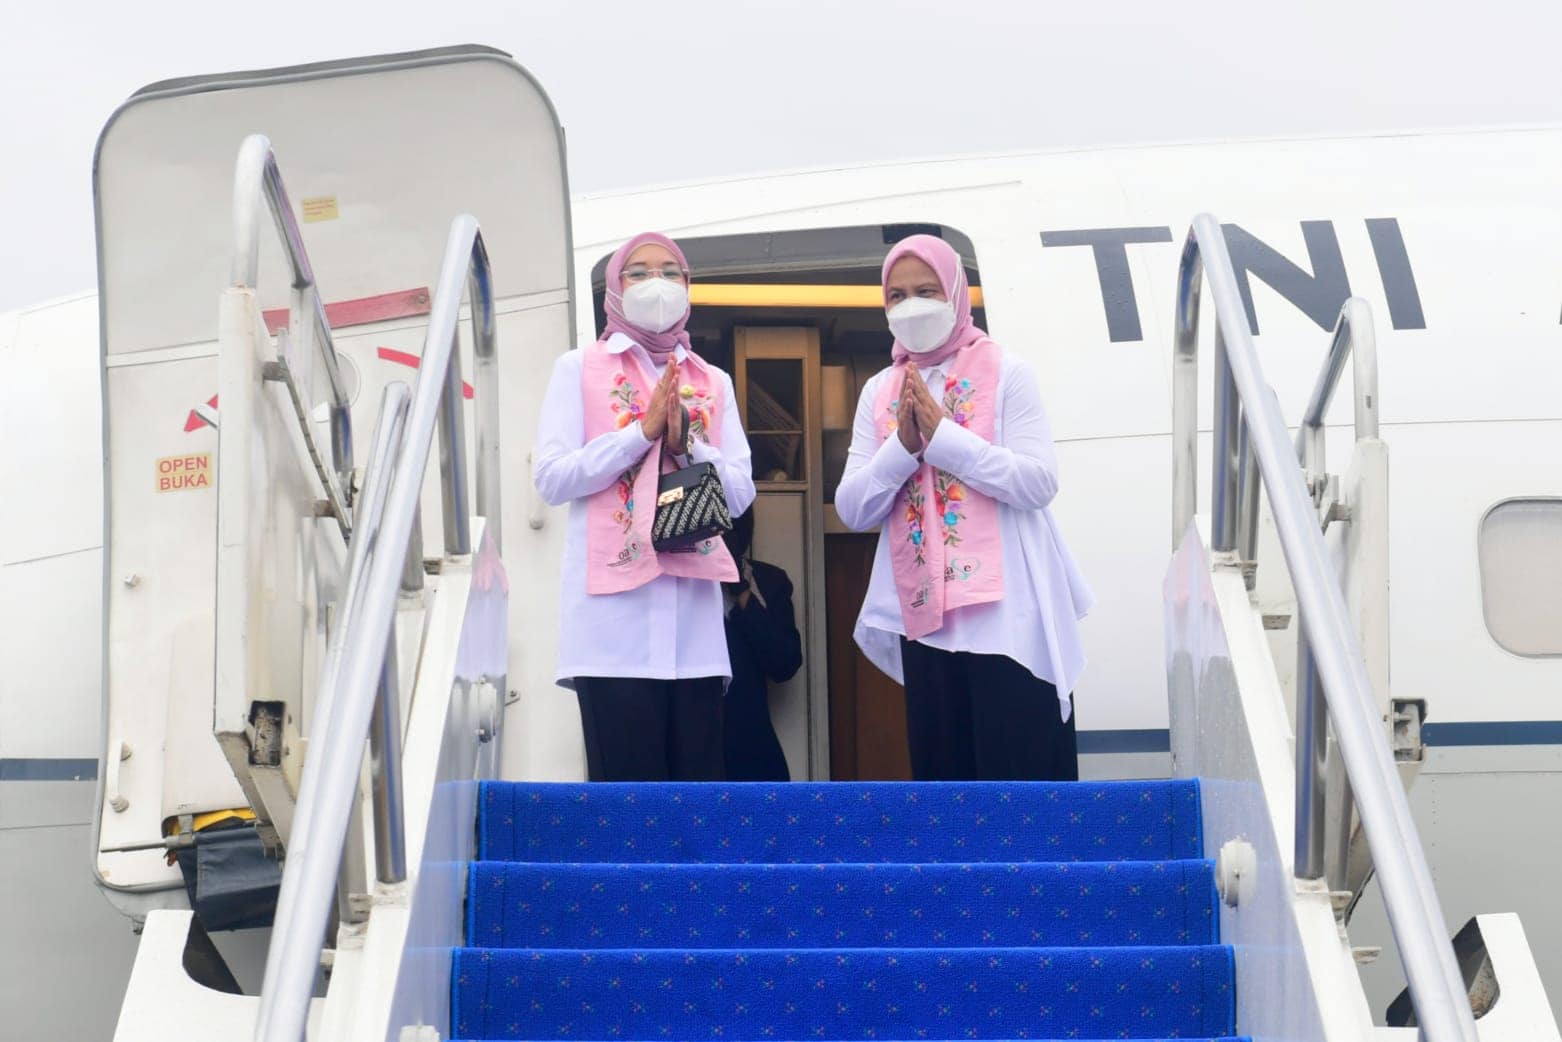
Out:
{"x": 919, "y": 413}
{"x": 917, "y": 418}
{"x": 664, "y": 412}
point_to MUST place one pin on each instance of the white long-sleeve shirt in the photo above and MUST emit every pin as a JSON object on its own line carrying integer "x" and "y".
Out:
{"x": 670, "y": 628}
{"x": 1036, "y": 623}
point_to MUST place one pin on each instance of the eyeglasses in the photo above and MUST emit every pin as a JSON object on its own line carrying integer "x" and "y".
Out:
{"x": 641, "y": 272}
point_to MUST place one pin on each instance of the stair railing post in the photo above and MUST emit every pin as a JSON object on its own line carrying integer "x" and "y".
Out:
{"x": 1224, "y": 470}
{"x": 412, "y": 568}
{"x": 1312, "y": 727}
{"x": 352, "y": 872}
{"x": 452, "y": 457}
{"x": 485, "y": 381}
{"x": 1248, "y": 485}
{"x": 390, "y": 837}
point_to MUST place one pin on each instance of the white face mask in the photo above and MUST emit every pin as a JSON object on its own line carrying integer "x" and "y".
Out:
{"x": 921, "y": 323}
{"x": 655, "y": 305}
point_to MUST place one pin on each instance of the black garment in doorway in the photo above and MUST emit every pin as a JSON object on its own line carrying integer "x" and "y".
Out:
{"x": 765, "y": 648}
{"x": 651, "y": 730}
{"x": 976, "y": 717}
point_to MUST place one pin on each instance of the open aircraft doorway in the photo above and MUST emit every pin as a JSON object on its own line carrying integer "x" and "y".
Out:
{"x": 797, "y": 319}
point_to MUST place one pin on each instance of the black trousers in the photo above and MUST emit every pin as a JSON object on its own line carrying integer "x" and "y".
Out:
{"x": 983, "y": 718}
{"x": 652, "y": 730}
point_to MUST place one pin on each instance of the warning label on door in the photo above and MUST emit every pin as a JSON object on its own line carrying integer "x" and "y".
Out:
{"x": 180, "y": 473}
{"x": 320, "y": 208}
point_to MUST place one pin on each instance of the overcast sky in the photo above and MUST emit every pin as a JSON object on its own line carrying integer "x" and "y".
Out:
{"x": 715, "y": 87}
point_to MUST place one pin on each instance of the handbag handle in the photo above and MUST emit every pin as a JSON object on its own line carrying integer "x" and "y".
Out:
{"x": 682, "y": 458}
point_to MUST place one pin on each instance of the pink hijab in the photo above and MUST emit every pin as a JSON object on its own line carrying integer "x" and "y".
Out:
{"x": 945, "y": 262}
{"x": 659, "y": 346}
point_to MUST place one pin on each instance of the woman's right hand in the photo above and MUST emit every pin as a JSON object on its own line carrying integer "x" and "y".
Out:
{"x": 653, "y": 424}
{"x": 906, "y": 417}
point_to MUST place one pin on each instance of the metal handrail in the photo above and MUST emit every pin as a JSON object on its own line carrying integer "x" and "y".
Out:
{"x": 1353, "y": 337}
{"x": 258, "y": 180}
{"x": 1244, "y": 401}
{"x": 295, "y": 948}
{"x": 363, "y": 664}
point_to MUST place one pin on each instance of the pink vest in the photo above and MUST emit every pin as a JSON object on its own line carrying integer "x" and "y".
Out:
{"x": 945, "y": 544}
{"x": 619, "y": 554}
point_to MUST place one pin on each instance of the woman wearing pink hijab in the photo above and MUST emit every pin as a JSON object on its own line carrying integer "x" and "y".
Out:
{"x": 641, "y": 633}
{"x": 974, "y": 600}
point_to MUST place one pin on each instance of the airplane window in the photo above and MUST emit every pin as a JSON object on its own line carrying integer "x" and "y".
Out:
{"x": 1521, "y": 575}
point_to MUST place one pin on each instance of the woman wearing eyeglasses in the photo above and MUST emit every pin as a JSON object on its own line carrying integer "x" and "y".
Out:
{"x": 640, "y": 632}
{"x": 974, "y": 600}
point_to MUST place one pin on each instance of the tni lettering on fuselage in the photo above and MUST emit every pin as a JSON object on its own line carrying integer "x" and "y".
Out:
{"x": 1318, "y": 293}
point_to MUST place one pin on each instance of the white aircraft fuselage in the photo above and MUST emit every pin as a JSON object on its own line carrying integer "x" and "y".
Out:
{"x": 1455, "y": 241}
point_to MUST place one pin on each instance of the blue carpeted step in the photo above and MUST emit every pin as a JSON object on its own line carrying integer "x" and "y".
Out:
{"x": 848, "y": 822}
{"x": 993, "y": 993}
{"x": 758, "y": 912}
{"x": 841, "y": 906}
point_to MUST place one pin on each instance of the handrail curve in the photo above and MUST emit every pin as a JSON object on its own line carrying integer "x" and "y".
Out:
{"x": 258, "y": 183}
{"x": 1248, "y": 420}
{"x": 358, "y": 686}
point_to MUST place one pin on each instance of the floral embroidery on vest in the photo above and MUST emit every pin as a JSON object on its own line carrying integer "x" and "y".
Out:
{"x": 948, "y": 493}
{"x": 958, "y": 395}
{"x": 626, "y": 401}
{"x": 698, "y": 401}
{"x": 627, "y": 409}
{"x": 914, "y": 503}
{"x": 948, "y": 502}
{"x": 624, "y": 516}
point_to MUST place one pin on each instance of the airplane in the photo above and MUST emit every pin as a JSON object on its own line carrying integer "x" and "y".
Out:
{"x": 147, "y": 597}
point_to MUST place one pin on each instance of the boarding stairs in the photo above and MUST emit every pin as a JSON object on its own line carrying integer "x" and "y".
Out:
{"x": 359, "y": 707}
{"x": 842, "y": 911}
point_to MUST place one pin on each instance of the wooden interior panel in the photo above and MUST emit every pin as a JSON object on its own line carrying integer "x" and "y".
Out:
{"x": 867, "y": 708}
